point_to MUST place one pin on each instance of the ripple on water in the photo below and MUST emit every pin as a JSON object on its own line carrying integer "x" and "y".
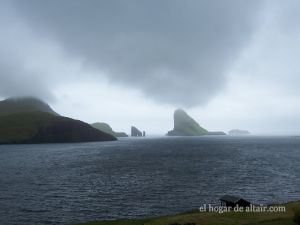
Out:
{"x": 70, "y": 183}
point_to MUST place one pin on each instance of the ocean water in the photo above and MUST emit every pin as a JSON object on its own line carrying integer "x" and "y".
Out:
{"x": 142, "y": 177}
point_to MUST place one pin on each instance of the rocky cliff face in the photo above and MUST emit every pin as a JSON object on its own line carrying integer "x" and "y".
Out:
{"x": 136, "y": 132}
{"x": 68, "y": 130}
{"x": 29, "y": 120}
{"x": 40, "y": 127}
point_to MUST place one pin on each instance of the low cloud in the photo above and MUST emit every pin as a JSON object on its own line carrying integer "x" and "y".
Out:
{"x": 175, "y": 52}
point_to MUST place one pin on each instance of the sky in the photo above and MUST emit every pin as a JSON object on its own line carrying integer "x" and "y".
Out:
{"x": 229, "y": 64}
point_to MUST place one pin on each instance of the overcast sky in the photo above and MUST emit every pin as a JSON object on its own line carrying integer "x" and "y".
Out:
{"x": 229, "y": 64}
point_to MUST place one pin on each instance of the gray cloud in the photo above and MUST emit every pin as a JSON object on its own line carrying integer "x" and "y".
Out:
{"x": 16, "y": 51}
{"x": 15, "y": 84}
{"x": 175, "y": 52}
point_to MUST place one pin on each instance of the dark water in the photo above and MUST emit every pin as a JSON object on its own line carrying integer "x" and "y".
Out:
{"x": 130, "y": 178}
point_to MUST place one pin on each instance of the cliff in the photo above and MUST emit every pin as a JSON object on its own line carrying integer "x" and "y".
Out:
{"x": 29, "y": 120}
{"x": 184, "y": 125}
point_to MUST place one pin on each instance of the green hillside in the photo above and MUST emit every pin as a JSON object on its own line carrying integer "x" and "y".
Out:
{"x": 107, "y": 129}
{"x": 184, "y": 125}
{"x": 30, "y": 120}
{"x": 24, "y": 104}
{"x": 41, "y": 127}
{"x": 290, "y": 217}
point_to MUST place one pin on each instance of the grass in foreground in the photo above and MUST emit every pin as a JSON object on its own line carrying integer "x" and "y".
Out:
{"x": 208, "y": 218}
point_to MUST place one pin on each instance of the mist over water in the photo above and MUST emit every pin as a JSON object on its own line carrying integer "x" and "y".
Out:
{"x": 134, "y": 178}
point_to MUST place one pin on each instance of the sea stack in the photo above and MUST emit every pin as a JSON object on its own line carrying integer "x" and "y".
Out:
{"x": 184, "y": 125}
{"x": 135, "y": 132}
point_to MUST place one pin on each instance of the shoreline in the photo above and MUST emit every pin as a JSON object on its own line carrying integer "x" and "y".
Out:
{"x": 195, "y": 217}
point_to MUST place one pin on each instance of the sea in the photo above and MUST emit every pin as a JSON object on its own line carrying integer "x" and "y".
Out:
{"x": 143, "y": 177}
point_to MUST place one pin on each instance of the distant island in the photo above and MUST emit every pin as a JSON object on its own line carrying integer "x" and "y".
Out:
{"x": 238, "y": 132}
{"x": 184, "y": 125}
{"x": 136, "y": 132}
{"x": 104, "y": 127}
{"x": 30, "y": 120}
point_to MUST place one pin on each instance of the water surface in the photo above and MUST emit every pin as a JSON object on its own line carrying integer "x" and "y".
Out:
{"x": 131, "y": 178}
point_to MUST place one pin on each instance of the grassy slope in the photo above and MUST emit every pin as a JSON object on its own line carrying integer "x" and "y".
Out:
{"x": 184, "y": 125}
{"x": 103, "y": 127}
{"x": 21, "y": 126}
{"x": 25, "y": 104}
{"x": 205, "y": 218}
{"x": 107, "y": 129}
{"x": 17, "y": 128}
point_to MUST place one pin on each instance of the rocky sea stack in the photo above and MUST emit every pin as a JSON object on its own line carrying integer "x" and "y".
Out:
{"x": 184, "y": 125}
{"x": 136, "y": 132}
